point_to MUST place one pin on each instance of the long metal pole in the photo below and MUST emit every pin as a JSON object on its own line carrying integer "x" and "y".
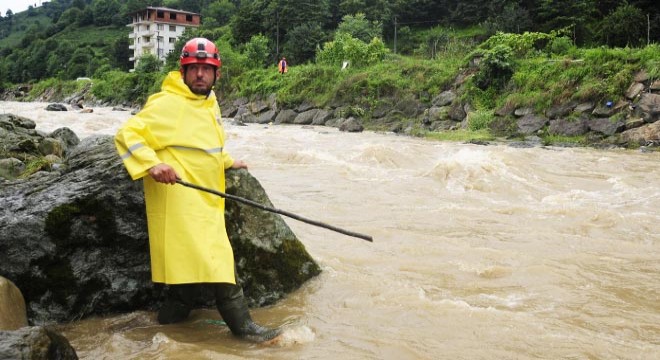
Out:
{"x": 277, "y": 211}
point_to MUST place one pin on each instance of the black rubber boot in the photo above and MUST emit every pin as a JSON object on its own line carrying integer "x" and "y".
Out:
{"x": 234, "y": 310}
{"x": 179, "y": 302}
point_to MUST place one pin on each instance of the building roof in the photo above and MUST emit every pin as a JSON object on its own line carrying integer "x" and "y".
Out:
{"x": 163, "y": 9}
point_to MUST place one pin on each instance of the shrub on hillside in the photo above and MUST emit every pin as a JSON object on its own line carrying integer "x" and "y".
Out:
{"x": 347, "y": 48}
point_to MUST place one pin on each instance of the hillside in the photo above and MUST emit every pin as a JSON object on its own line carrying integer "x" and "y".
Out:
{"x": 493, "y": 78}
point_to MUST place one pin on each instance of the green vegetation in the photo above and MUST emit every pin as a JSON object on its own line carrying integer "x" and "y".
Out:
{"x": 355, "y": 54}
{"x": 563, "y": 140}
{"x": 34, "y": 165}
{"x": 460, "y": 135}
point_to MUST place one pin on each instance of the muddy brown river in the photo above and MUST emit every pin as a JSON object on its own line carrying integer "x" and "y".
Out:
{"x": 479, "y": 252}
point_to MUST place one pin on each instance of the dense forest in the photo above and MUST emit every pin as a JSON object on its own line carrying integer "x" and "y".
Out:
{"x": 66, "y": 39}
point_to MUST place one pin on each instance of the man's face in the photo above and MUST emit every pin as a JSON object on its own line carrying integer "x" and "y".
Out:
{"x": 199, "y": 78}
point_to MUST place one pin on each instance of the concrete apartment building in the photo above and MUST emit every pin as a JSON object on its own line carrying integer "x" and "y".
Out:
{"x": 156, "y": 29}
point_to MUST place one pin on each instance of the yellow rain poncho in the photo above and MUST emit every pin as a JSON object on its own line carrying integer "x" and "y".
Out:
{"x": 187, "y": 234}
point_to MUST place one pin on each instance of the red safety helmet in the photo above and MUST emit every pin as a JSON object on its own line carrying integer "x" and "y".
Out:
{"x": 200, "y": 51}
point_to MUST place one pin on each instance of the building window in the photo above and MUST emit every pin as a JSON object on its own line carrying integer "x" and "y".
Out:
{"x": 172, "y": 28}
{"x": 188, "y": 18}
{"x": 160, "y": 14}
{"x": 172, "y": 16}
{"x": 146, "y": 27}
{"x": 161, "y": 27}
{"x": 172, "y": 41}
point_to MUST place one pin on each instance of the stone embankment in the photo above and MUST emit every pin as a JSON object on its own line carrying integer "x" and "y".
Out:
{"x": 630, "y": 121}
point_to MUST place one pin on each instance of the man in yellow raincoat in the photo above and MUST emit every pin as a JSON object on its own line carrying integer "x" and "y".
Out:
{"x": 179, "y": 135}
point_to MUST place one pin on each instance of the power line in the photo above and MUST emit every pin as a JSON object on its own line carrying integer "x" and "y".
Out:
{"x": 418, "y": 22}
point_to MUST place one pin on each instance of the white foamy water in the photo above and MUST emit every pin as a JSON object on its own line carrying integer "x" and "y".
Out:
{"x": 480, "y": 252}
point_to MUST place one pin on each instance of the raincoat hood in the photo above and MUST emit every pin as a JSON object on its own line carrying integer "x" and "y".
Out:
{"x": 174, "y": 83}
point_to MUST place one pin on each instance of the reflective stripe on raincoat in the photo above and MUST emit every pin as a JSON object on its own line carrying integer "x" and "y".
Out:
{"x": 187, "y": 235}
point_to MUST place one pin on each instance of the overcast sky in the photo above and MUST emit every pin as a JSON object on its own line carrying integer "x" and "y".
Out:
{"x": 17, "y": 6}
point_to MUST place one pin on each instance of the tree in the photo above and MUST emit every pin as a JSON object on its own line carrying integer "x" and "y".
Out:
{"x": 508, "y": 17}
{"x": 376, "y": 10}
{"x": 79, "y": 64}
{"x": 148, "y": 63}
{"x": 464, "y": 13}
{"x": 247, "y": 21}
{"x": 58, "y": 58}
{"x": 79, "y": 4}
{"x": 257, "y": 51}
{"x": 625, "y": 26}
{"x": 137, "y": 5}
{"x": 559, "y": 14}
{"x": 302, "y": 42}
{"x": 120, "y": 54}
{"x": 105, "y": 11}
{"x": 191, "y": 5}
{"x": 218, "y": 13}
{"x": 360, "y": 28}
{"x": 87, "y": 17}
{"x": 70, "y": 16}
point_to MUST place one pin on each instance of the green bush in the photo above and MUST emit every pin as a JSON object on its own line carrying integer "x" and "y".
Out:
{"x": 63, "y": 87}
{"x": 257, "y": 51}
{"x": 560, "y": 45}
{"x": 356, "y": 52}
{"x": 496, "y": 67}
{"x": 480, "y": 120}
{"x": 114, "y": 86}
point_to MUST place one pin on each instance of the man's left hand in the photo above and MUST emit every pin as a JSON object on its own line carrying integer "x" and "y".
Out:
{"x": 239, "y": 164}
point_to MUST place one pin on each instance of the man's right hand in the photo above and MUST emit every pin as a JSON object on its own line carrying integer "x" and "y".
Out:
{"x": 163, "y": 173}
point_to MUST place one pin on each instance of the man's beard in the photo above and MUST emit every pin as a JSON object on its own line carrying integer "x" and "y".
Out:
{"x": 198, "y": 90}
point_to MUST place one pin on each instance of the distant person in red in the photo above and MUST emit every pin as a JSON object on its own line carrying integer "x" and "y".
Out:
{"x": 282, "y": 66}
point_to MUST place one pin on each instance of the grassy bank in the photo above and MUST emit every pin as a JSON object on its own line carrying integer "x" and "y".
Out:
{"x": 533, "y": 70}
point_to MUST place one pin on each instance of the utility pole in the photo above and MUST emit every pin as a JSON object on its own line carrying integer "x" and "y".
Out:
{"x": 395, "y": 33}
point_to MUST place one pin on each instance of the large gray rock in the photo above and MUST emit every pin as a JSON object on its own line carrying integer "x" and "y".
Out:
{"x": 530, "y": 124}
{"x": 75, "y": 240}
{"x": 649, "y": 133}
{"x": 560, "y": 110}
{"x": 648, "y": 107}
{"x": 35, "y": 343}
{"x": 285, "y": 117}
{"x": 606, "y": 126}
{"x": 266, "y": 117}
{"x": 351, "y": 125}
{"x": 445, "y": 98}
{"x": 566, "y": 127}
{"x": 305, "y": 118}
{"x": 18, "y": 135}
{"x": 321, "y": 117}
